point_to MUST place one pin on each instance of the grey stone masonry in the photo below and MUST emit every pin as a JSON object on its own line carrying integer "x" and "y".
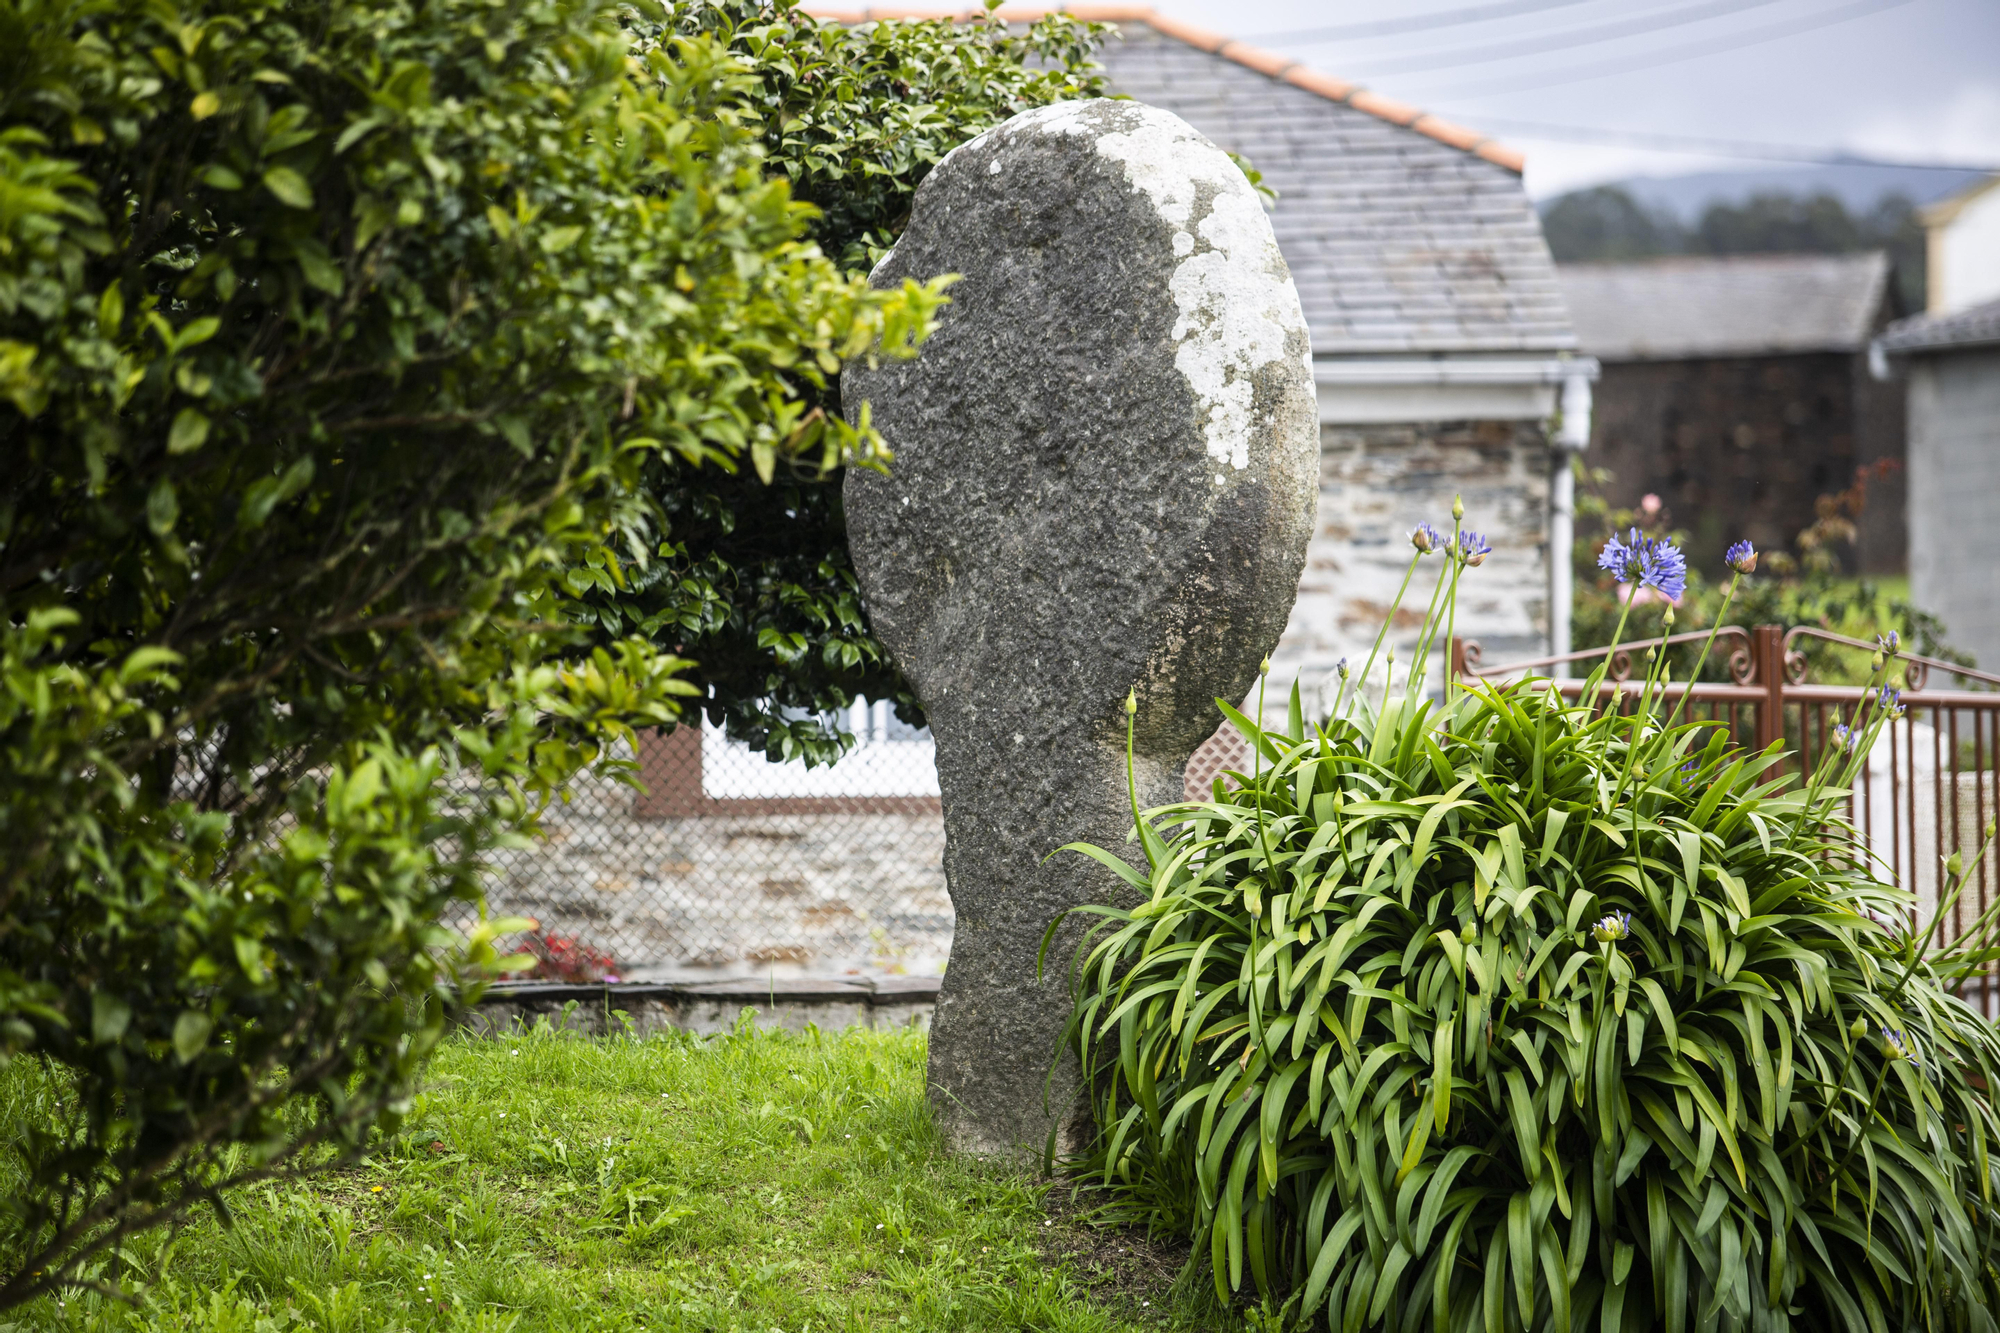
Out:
{"x": 1105, "y": 474}
{"x": 1376, "y": 483}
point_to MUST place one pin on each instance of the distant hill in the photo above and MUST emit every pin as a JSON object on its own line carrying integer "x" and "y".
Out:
{"x": 1823, "y": 210}
{"x": 1858, "y": 187}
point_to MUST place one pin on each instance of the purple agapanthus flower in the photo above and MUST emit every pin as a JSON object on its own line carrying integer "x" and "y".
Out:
{"x": 1891, "y": 700}
{"x": 1889, "y": 642}
{"x": 1665, "y": 568}
{"x": 1843, "y": 736}
{"x": 1647, "y": 561}
{"x": 1622, "y": 558}
{"x": 1741, "y": 557}
{"x": 1426, "y": 538}
{"x": 1472, "y": 547}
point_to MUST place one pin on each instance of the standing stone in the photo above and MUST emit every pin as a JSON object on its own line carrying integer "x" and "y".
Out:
{"x": 1105, "y": 470}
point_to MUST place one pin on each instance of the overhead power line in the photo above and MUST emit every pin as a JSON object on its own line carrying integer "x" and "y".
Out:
{"x": 1734, "y": 41}
{"x": 1444, "y": 18}
{"x": 1682, "y": 143}
{"x": 1487, "y": 52}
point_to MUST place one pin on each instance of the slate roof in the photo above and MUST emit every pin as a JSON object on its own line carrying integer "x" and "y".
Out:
{"x": 1405, "y": 234}
{"x": 1733, "y": 305}
{"x": 1977, "y": 326}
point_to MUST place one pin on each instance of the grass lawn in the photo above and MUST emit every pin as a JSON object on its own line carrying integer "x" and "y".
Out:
{"x": 763, "y": 1183}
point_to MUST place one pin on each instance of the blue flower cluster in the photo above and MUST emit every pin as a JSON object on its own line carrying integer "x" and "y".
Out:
{"x": 1472, "y": 548}
{"x": 1650, "y": 562}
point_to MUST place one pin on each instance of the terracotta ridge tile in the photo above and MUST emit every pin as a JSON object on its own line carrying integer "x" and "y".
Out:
{"x": 1257, "y": 58}
{"x": 1445, "y": 131}
{"x": 1316, "y": 81}
{"x": 1199, "y": 38}
{"x": 1396, "y": 113}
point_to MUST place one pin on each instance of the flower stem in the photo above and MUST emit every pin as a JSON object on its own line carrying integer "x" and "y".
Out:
{"x": 1382, "y": 633}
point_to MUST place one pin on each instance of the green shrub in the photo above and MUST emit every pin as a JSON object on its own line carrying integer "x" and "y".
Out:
{"x": 1496, "y": 1013}
{"x": 345, "y": 352}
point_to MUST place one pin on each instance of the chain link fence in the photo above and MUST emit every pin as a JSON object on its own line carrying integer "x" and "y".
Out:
{"x": 728, "y": 865}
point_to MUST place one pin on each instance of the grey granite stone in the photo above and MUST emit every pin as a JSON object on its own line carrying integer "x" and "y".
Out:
{"x": 1105, "y": 475}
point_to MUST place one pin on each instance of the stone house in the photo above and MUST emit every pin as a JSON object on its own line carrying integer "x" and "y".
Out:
{"x": 1737, "y": 389}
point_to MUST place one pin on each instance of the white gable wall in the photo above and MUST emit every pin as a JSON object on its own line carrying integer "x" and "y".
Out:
{"x": 1965, "y": 253}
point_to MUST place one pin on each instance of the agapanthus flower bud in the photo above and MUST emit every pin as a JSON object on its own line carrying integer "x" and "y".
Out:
{"x": 1472, "y": 548}
{"x": 1132, "y": 702}
{"x": 1341, "y": 667}
{"x": 1426, "y": 538}
{"x": 1889, "y": 641}
{"x": 1265, "y": 668}
{"x": 1616, "y": 926}
{"x": 1457, "y": 507}
{"x": 1667, "y": 620}
{"x": 1858, "y": 1029}
{"x": 1843, "y": 736}
{"x": 1469, "y": 933}
{"x": 1896, "y": 1046}
{"x": 1890, "y": 700}
{"x": 1741, "y": 557}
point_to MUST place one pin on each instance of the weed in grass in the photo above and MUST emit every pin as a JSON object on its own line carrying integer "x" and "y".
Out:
{"x": 751, "y": 1182}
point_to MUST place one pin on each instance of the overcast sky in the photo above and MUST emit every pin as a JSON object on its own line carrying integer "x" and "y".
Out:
{"x": 1905, "y": 79}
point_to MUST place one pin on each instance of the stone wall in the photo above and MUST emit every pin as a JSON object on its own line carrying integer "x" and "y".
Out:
{"x": 705, "y": 1008}
{"x": 1743, "y": 446}
{"x": 1376, "y": 483}
{"x": 747, "y": 888}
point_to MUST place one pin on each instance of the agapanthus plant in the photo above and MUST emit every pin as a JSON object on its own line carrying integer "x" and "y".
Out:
{"x": 1483, "y": 1009}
